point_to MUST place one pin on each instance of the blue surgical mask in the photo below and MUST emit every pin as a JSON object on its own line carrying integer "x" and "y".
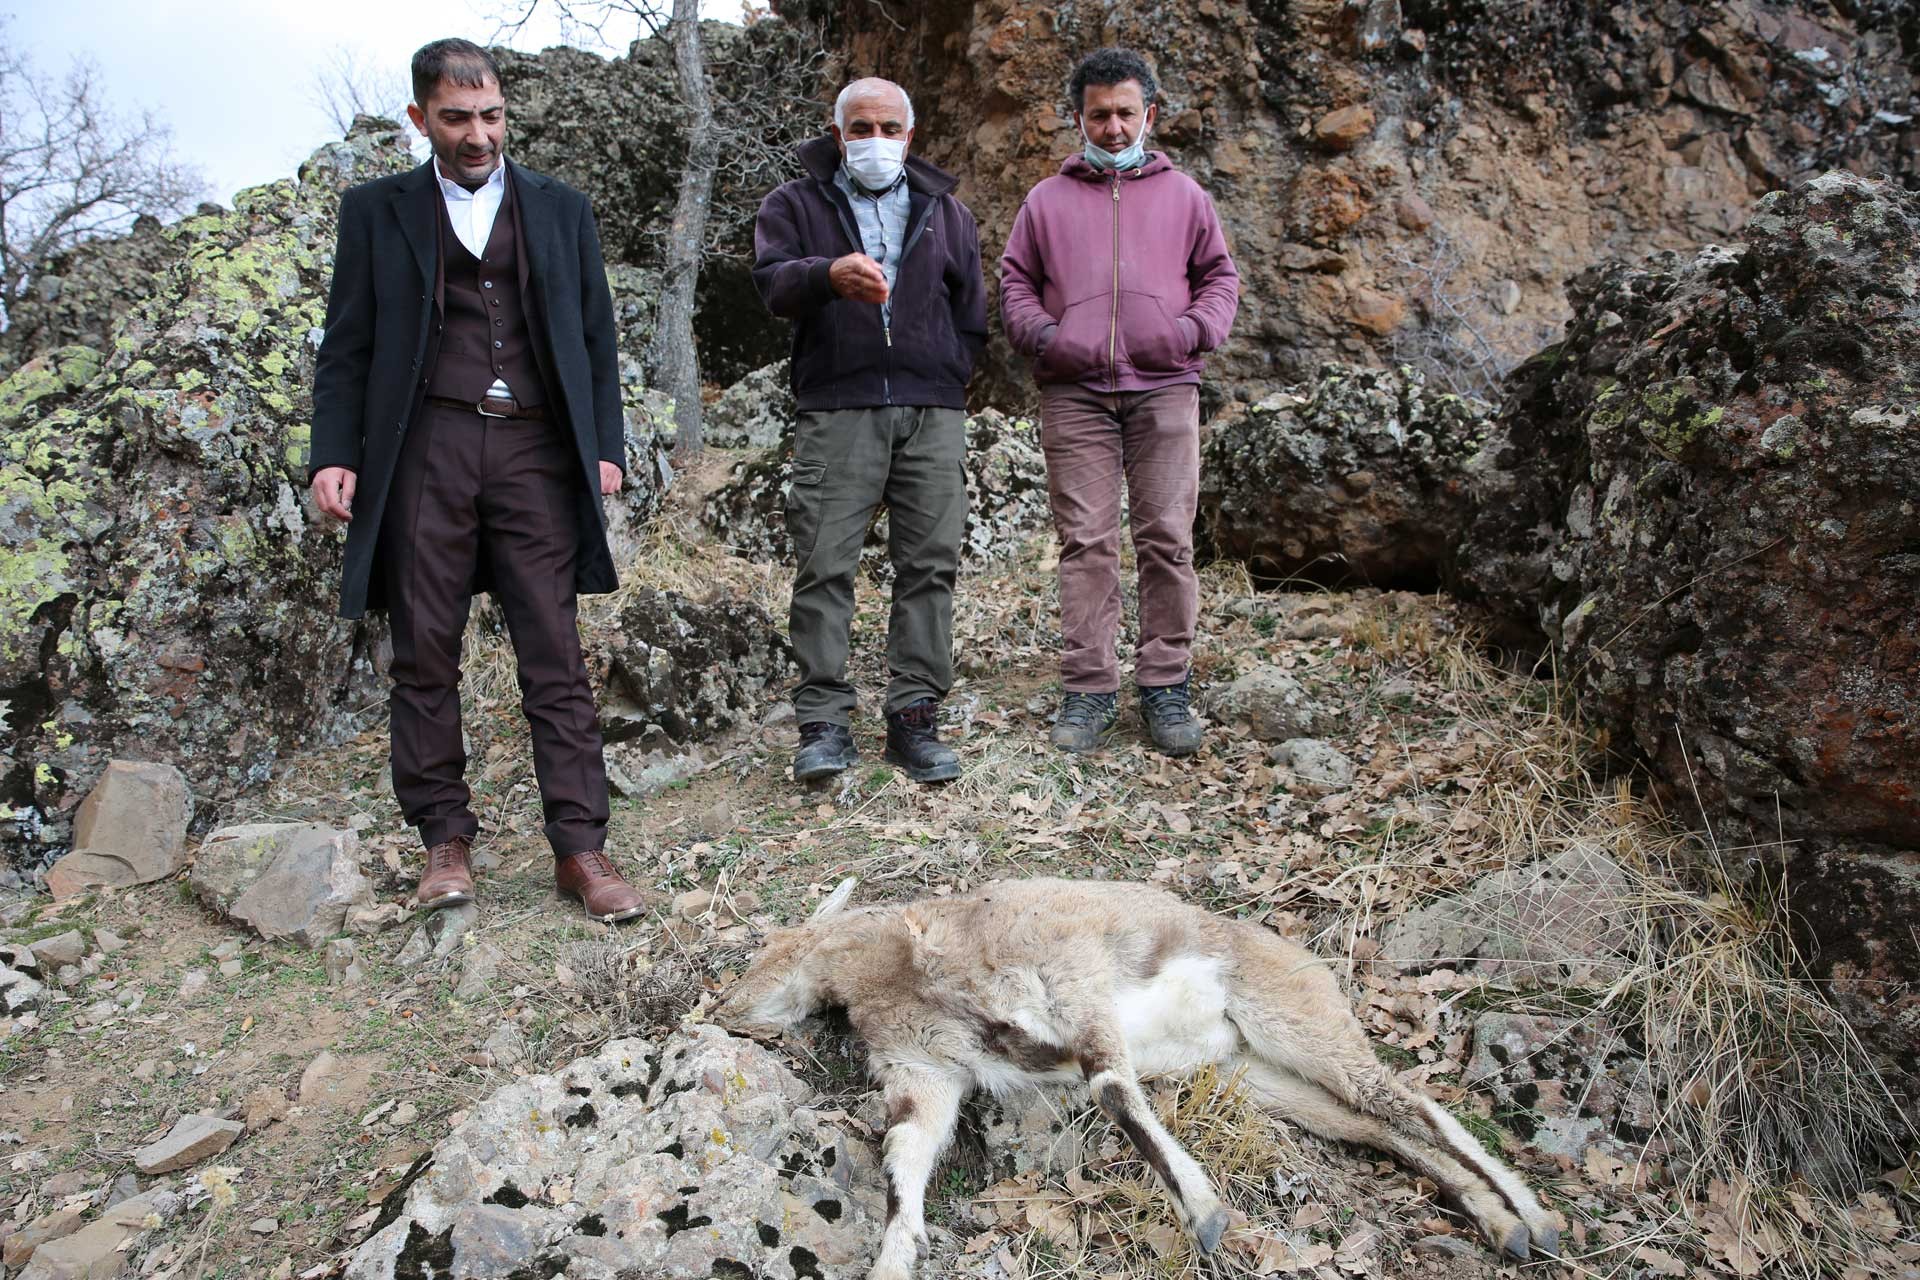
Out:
{"x": 1101, "y": 158}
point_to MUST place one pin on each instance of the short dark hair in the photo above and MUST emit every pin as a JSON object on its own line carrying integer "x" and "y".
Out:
{"x": 1110, "y": 66}
{"x": 461, "y": 61}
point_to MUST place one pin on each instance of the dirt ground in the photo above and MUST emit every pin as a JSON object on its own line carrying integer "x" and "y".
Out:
{"x": 1461, "y": 765}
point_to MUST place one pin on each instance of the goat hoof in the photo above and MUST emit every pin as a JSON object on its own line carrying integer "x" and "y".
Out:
{"x": 1207, "y": 1234}
{"x": 1516, "y": 1242}
{"x": 1547, "y": 1241}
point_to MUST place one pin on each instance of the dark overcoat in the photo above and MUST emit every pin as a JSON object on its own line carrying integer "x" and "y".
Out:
{"x": 372, "y": 370}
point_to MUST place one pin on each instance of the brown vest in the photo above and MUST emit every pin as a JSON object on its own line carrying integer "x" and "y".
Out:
{"x": 486, "y": 332}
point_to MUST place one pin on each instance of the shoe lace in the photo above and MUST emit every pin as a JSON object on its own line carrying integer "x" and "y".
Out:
{"x": 917, "y": 722}
{"x": 593, "y": 864}
{"x": 442, "y": 856}
{"x": 814, "y": 730}
{"x": 1084, "y": 710}
{"x": 1170, "y": 705}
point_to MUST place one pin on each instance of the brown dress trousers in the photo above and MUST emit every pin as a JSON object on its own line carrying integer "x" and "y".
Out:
{"x": 469, "y": 487}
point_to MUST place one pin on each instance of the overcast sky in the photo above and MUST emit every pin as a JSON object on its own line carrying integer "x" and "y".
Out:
{"x": 234, "y": 78}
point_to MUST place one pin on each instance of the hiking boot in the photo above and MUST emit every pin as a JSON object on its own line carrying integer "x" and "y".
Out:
{"x": 1084, "y": 720}
{"x": 591, "y": 878}
{"x": 825, "y": 749}
{"x": 913, "y": 743}
{"x": 1168, "y": 712}
{"x": 448, "y": 879}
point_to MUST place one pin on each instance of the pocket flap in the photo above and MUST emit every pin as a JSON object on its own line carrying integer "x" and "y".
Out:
{"x": 807, "y": 471}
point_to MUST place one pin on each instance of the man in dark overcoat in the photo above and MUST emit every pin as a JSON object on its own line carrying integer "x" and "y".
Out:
{"x": 466, "y": 422}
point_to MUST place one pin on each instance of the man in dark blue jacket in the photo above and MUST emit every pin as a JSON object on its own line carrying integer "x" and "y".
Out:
{"x": 878, "y": 266}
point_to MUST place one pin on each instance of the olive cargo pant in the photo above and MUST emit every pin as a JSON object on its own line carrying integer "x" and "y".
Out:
{"x": 846, "y": 462}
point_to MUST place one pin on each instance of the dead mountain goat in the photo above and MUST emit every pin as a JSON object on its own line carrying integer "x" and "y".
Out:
{"x": 1032, "y": 980}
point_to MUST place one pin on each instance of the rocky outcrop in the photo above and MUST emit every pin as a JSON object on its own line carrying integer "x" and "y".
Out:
{"x": 697, "y": 1156}
{"x": 1357, "y": 476}
{"x": 614, "y": 128}
{"x": 165, "y": 593}
{"x": 77, "y": 297}
{"x": 757, "y": 412}
{"x": 1006, "y": 498}
{"x": 679, "y": 671}
{"x": 1412, "y": 179}
{"x": 1730, "y": 577}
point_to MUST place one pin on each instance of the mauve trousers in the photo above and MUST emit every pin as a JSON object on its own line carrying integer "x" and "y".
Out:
{"x": 1093, "y": 442}
{"x": 469, "y": 487}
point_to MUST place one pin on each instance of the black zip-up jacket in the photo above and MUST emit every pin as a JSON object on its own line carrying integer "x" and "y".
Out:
{"x": 844, "y": 357}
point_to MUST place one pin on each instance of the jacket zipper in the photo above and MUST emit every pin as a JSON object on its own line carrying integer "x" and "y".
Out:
{"x": 1113, "y": 322}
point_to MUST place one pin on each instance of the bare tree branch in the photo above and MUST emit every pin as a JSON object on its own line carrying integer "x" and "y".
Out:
{"x": 71, "y": 170}
{"x": 346, "y": 86}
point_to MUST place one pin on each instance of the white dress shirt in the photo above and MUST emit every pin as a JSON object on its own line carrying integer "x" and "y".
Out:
{"x": 472, "y": 214}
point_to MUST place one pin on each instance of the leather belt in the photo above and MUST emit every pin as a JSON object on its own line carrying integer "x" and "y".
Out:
{"x": 495, "y": 407}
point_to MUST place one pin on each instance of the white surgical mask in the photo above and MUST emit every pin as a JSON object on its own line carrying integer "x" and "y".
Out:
{"x": 1101, "y": 158}
{"x": 875, "y": 163}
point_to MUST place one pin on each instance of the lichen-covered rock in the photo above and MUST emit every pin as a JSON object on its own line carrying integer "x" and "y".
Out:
{"x": 1006, "y": 498}
{"x": 698, "y": 1156}
{"x": 1356, "y": 476}
{"x": 76, "y": 298}
{"x": 679, "y": 671}
{"x": 757, "y": 412}
{"x": 1563, "y": 1084}
{"x": 1271, "y": 703}
{"x": 1733, "y": 570}
{"x": 165, "y": 591}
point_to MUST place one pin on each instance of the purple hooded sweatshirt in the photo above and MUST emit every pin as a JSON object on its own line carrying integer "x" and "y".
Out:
{"x": 1117, "y": 281}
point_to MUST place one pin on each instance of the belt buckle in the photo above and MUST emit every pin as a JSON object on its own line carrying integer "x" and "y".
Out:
{"x": 480, "y": 407}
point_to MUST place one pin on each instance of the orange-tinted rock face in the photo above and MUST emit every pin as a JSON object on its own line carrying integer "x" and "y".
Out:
{"x": 1437, "y": 151}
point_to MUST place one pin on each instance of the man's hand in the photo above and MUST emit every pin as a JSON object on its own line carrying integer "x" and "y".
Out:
{"x": 333, "y": 491}
{"x": 610, "y": 477}
{"x": 858, "y": 277}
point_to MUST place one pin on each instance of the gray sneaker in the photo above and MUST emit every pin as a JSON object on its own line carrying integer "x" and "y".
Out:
{"x": 1168, "y": 712}
{"x": 1084, "y": 719}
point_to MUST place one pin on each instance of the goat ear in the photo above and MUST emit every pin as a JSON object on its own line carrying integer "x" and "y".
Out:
{"x": 835, "y": 901}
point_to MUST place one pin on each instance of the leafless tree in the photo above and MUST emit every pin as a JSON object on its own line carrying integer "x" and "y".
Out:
{"x": 346, "y": 85}
{"x": 732, "y": 145}
{"x": 72, "y": 170}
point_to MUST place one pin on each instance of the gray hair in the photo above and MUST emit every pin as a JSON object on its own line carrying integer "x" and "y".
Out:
{"x": 846, "y": 94}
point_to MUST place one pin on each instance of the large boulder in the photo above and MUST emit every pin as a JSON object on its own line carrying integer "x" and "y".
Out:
{"x": 698, "y": 1156}
{"x": 680, "y": 671}
{"x": 1732, "y": 572}
{"x": 1006, "y": 498}
{"x": 757, "y": 412}
{"x": 166, "y": 593}
{"x": 1356, "y": 476}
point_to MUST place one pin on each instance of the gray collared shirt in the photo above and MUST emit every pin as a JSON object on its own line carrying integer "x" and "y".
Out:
{"x": 882, "y": 220}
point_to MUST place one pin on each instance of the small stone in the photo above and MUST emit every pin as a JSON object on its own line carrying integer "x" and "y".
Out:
{"x": 507, "y": 1047}
{"x": 1413, "y": 212}
{"x": 228, "y": 950}
{"x": 315, "y": 1080}
{"x": 1444, "y": 1247}
{"x": 1506, "y": 296}
{"x": 264, "y": 1106}
{"x": 193, "y": 1138}
{"x": 65, "y": 1183}
{"x": 193, "y": 982}
{"x": 109, "y": 942}
{"x": 231, "y": 968}
{"x": 18, "y": 992}
{"x": 293, "y": 881}
{"x": 403, "y": 1115}
{"x": 131, "y": 829}
{"x": 1317, "y": 768}
{"x": 1345, "y": 128}
{"x": 438, "y": 935}
{"x": 98, "y": 1250}
{"x": 343, "y": 963}
{"x": 61, "y": 949}
{"x": 70, "y": 976}
{"x": 124, "y": 1188}
{"x": 22, "y": 1244}
{"x": 264, "y": 1226}
{"x": 477, "y": 971}
{"x": 693, "y": 904}
{"x": 1378, "y": 313}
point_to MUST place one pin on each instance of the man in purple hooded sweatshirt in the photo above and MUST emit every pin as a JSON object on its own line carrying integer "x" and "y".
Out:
{"x": 1115, "y": 281}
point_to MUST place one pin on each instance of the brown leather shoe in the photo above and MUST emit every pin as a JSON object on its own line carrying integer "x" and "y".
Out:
{"x": 591, "y": 878}
{"x": 448, "y": 880}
